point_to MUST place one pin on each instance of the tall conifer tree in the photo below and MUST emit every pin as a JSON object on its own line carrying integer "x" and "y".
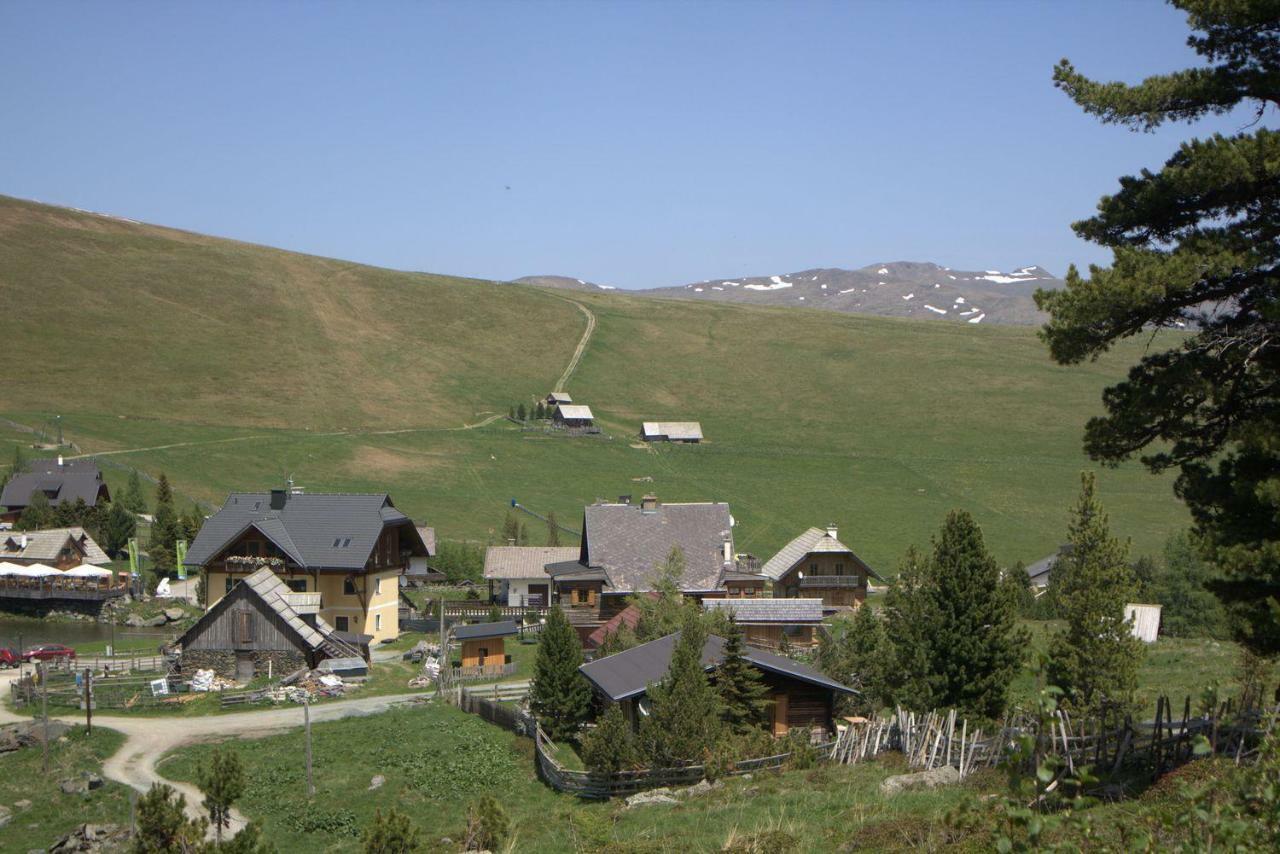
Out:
{"x": 684, "y": 718}
{"x": 1095, "y": 658}
{"x": 909, "y": 613}
{"x": 560, "y": 696}
{"x": 743, "y": 695}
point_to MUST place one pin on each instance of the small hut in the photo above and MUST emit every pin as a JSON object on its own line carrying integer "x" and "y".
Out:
{"x": 573, "y": 416}
{"x": 484, "y": 644}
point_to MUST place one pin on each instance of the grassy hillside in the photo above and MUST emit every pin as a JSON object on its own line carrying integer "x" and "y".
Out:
{"x": 230, "y": 366}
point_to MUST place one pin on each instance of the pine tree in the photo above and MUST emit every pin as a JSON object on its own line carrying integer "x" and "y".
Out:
{"x": 165, "y": 528}
{"x": 684, "y": 709}
{"x": 163, "y": 826}
{"x": 553, "y": 530}
{"x": 511, "y": 530}
{"x": 392, "y": 832}
{"x": 1194, "y": 245}
{"x": 133, "y": 500}
{"x": 619, "y": 640}
{"x": 978, "y": 647}
{"x": 191, "y": 523}
{"x": 222, "y": 783}
{"x": 611, "y": 746}
{"x": 559, "y": 696}
{"x": 854, "y": 653}
{"x": 540, "y": 411}
{"x": 524, "y": 534}
{"x": 511, "y": 413}
{"x": 248, "y": 841}
{"x": 743, "y": 695}
{"x": 37, "y": 515}
{"x": 487, "y": 825}
{"x": 667, "y": 609}
{"x": 909, "y": 614}
{"x": 1095, "y": 658}
{"x": 521, "y": 413}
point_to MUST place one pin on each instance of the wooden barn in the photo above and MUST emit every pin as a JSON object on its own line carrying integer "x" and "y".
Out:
{"x": 484, "y": 644}
{"x": 262, "y": 626}
{"x": 801, "y": 697}
{"x": 573, "y": 415}
{"x": 688, "y": 432}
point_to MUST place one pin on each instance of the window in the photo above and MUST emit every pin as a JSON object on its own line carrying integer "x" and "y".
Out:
{"x": 297, "y": 585}
{"x": 839, "y": 569}
{"x": 341, "y": 623}
{"x": 349, "y": 586}
{"x": 231, "y": 582}
{"x": 813, "y": 569}
{"x": 377, "y": 622}
{"x": 377, "y": 586}
{"x": 244, "y": 627}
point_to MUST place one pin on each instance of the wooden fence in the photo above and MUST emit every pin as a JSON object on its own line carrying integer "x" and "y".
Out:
{"x": 484, "y": 671}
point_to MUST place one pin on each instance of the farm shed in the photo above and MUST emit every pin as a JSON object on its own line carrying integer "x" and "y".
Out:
{"x": 558, "y": 398}
{"x": 262, "y": 625}
{"x": 801, "y": 697}
{"x": 671, "y": 431}
{"x": 573, "y": 415}
{"x": 765, "y": 622}
{"x": 484, "y": 644}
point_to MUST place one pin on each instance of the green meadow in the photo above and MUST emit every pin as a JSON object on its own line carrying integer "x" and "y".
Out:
{"x": 231, "y": 366}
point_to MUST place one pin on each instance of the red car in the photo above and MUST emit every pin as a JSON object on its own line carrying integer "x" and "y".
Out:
{"x": 46, "y": 651}
{"x": 8, "y": 658}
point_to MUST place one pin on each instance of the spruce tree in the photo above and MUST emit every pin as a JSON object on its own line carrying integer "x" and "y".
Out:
{"x": 520, "y": 412}
{"x": 665, "y": 609}
{"x": 553, "y": 530}
{"x": 119, "y": 526}
{"x": 611, "y": 746}
{"x": 163, "y": 826}
{"x": 1095, "y": 658}
{"x": 684, "y": 709}
{"x": 511, "y": 530}
{"x": 855, "y": 652}
{"x": 37, "y": 515}
{"x": 977, "y": 644}
{"x": 222, "y": 783}
{"x": 743, "y": 695}
{"x": 1194, "y": 247}
{"x": 559, "y": 696}
{"x": 164, "y": 528}
{"x": 909, "y": 614}
{"x": 392, "y": 832}
{"x": 133, "y": 500}
{"x": 524, "y": 534}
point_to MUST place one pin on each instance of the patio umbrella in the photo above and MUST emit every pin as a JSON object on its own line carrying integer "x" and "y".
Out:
{"x": 7, "y": 568}
{"x": 38, "y": 570}
{"x": 86, "y": 570}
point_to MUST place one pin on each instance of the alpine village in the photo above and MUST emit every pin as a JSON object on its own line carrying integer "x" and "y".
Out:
{"x": 305, "y": 555}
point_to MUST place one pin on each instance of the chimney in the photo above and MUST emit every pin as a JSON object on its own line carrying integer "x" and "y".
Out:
{"x": 831, "y": 530}
{"x": 59, "y": 460}
{"x": 649, "y": 504}
{"x": 22, "y": 542}
{"x": 728, "y": 550}
{"x": 278, "y": 498}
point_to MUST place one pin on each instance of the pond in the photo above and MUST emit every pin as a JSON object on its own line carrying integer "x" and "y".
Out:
{"x": 75, "y": 633}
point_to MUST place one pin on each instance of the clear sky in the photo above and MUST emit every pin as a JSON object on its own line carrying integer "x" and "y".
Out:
{"x": 635, "y": 144}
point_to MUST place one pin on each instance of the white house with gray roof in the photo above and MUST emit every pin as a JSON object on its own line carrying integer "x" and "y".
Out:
{"x": 517, "y": 575}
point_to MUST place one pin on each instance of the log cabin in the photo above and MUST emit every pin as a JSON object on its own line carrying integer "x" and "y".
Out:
{"x": 816, "y": 564}
{"x": 801, "y": 697}
{"x": 349, "y": 548}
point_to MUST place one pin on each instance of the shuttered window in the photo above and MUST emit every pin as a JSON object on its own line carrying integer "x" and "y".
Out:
{"x": 244, "y": 627}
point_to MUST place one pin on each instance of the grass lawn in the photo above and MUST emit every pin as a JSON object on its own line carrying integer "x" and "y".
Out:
{"x": 437, "y": 759}
{"x": 53, "y": 813}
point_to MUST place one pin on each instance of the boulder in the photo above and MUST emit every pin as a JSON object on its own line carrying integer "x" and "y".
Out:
{"x": 944, "y": 776}
{"x": 653, "y": 796}
{"x": 174, "y": 614}
{"x": 22, "y": 804}
{"x": 74, "y": 786}
{"x": 6, "y": 815}
{"x": 376, "y": 782}
{"x": 155, "y": 622}
{"x": 92, "y": 781}
{"x": 134, "y": 620}
{"x": 699, "y": 788}
{"x": 93, "y": 838}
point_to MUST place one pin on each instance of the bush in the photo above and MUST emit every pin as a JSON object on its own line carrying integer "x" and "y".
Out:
{"x": 800, "y": 746}
{"x": 487, "y": 825}
{"x": 392, "y": 833}
{"x": 611, "y": 746}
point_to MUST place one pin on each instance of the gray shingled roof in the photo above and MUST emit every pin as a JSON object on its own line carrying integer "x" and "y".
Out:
{"x": 334, "y": 531}
{"x": 575, "y": 412}
{"x": 1038, "y": 572}
{"x": 631, "y": 544}
{"x": 277, "y": 596}
{"x": 784, "y": 611}
{"x": 524, "y": 561}
{"x": 674, "y": 430}
{"x": 631, "y": 672}
{"x": 814, "y": 540}
{"x": 43, "y": 546}
{"x": 501, "y": 629}
{"x": 73, "y": 479}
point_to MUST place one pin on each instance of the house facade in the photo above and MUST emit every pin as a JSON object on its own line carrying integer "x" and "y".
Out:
{"x": 517, "y": 575}
{"x": 800, "y": 697}
{"x": 60, "y": 479}
{"x": 773, "y": 623}
{"x": 351, "y": 549}
{"x": 817, "y": 565}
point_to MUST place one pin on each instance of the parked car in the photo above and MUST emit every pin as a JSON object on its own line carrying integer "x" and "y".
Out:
{"x": 48, "y": 651}
{"x": 8, "y": 658}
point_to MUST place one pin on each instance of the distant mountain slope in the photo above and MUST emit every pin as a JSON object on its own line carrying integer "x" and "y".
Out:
{"x": 566, "y": 283}
{"x": 924, "y": 291}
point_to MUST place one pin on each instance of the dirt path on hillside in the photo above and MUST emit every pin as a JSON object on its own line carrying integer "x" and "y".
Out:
{"x": 563, "y": 383}
{"x": 148, "y": 739}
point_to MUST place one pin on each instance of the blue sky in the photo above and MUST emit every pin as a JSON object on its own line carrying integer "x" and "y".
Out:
{"x": 636, "y": 144}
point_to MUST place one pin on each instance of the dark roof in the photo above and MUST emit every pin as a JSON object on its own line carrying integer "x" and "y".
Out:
{"x": 631, "y": 672}
{"x": 571, "y": 570}
{"x": 631, "y": 543}
{"x": 485, "y": 630}
{"x": 79, "y": 478}
{"x": 315, "y": 530}
{"x": 1038, "y": 572}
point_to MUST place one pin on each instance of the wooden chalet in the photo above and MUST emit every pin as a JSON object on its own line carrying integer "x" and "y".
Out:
{"x": 60, "y": 479}
{"x": 816, "y": 564}
{"x": 260, "y": 627}
{"x": 484, "y": 645}
{"x": 801, "y": 696}
{"x": 767, "y": 622}
{"x": 624, "y": 547}
{"x": 60, "y": 548}
{"x": 351, "y": 549}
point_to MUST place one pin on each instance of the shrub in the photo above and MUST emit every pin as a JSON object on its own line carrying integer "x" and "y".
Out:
{"x": 487, "y": 825}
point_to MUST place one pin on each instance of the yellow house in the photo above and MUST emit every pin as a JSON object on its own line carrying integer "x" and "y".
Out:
{"x": 349, "y": 548}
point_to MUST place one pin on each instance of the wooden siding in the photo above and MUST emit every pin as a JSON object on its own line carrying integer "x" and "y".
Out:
{"x": 495, "y": 652}
{"x": 243, "y": 623}
{"x": 823, "y": 564}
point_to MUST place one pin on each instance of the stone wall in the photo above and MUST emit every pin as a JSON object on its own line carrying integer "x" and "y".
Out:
{"x": 223, "y": 662}
{"x": 72, "y": 609}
